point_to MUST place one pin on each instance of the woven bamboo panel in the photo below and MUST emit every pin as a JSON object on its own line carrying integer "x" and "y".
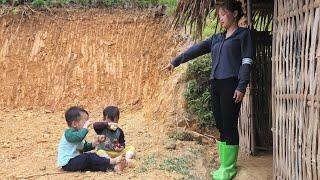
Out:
{"x": 296, "y": 89}
{"x": 245, "y": 126}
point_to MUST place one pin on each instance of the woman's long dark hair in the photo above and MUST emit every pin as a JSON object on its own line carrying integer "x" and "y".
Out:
{"x": 232, "y": 5}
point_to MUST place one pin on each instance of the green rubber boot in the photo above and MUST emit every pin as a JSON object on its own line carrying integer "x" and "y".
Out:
{"x": 228, "y": 166}
{"x": 220, "y": 153}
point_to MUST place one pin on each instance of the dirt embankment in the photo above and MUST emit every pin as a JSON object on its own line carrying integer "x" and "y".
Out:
{"x": 86, "y": 57}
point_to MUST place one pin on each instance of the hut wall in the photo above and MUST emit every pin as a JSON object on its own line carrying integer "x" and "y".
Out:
{"x": 296, "y": 89}
{"x": 245, "y": 125}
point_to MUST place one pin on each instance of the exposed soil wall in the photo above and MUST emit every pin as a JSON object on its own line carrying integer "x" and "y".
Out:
{"x": 86, "y": 57}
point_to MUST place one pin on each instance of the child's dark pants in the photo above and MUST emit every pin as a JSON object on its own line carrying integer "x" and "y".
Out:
{"x": 88, "y": 162}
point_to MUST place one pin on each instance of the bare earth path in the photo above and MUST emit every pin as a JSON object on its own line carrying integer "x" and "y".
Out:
{"x": 29, "y": 141}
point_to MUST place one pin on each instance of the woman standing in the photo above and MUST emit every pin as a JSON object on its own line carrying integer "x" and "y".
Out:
{"x": 231, "y": 53}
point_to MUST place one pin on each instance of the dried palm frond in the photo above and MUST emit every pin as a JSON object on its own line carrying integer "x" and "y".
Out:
{"x": 193, "y": 13}
{"x": 262, "y": 19}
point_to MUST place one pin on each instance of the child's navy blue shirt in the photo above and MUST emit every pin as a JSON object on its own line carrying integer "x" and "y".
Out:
{"x": 231, "y": 57}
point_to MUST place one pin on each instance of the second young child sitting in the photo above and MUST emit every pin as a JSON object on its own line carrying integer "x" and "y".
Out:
{"x": 114, "y": 144}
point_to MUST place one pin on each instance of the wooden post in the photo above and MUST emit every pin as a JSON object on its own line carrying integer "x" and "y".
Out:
{"x": 252, "y": 129}
{"x": 249, "y": 13}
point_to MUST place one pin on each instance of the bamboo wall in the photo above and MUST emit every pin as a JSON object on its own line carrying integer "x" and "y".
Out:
{"x": 245, "y": 125}
{"x": 296, "y": 89}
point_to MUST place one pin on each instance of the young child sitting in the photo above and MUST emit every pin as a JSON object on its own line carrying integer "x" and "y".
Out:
{"x": 114, "y": 144}
{"x": 72, "y": 146}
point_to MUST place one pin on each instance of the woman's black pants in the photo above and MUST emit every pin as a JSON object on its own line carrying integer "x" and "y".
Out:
{"x": 225, "y": 110}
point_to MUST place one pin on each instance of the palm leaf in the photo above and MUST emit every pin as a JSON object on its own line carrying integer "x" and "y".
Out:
{"x": 193, "y": 13}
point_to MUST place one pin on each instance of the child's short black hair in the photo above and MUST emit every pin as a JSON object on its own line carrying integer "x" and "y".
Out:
{"x": 74, "y": 114}
{"x": 111, "y": 112}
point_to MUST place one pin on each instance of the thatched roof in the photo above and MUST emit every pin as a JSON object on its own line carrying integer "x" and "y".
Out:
{"x": 195, "y": 13}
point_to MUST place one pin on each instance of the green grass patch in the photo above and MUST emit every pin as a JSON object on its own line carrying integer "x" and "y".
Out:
{"x": 147, "y": 163}
{"x": 182, "y": 136}
{"x": 179, "y": 165}
{"x": 198, "y": 93}
{"x": 170, "y": 4}
{"x": 193, "y": 151}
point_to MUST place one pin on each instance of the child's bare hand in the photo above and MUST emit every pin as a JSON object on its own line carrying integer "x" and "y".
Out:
{"x": 118, "y": 149}
{"x": 87, "y": 124}
{"x": 113, "y": 126}
{"x": 101, "y": 138}
{"x": 98, "y": 139}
